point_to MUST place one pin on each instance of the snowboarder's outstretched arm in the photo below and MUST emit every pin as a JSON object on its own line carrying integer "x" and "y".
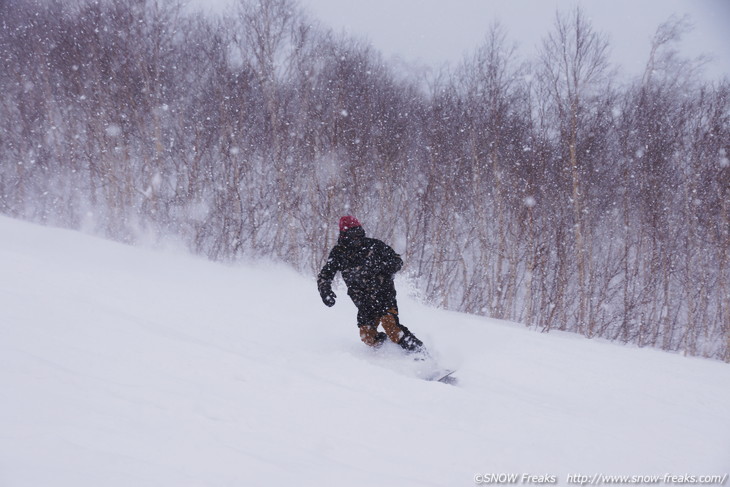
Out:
{"x": 324, "y": 279}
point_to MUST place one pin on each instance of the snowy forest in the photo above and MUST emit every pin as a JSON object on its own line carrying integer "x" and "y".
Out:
{"x": 549, "y": 191}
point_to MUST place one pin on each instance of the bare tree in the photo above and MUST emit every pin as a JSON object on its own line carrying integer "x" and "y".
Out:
{"x": 573, "y": 67}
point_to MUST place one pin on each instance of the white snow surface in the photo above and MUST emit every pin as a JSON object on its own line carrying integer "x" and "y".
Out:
{"x": 125, "y": 366}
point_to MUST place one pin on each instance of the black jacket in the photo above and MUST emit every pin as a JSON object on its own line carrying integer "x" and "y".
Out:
{"x": 367, "y": 266}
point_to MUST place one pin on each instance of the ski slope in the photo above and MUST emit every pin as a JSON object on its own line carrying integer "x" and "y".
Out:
{"x": 122, "y": 366}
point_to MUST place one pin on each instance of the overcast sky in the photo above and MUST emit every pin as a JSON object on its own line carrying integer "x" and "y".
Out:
{"x": 433, "y": 32}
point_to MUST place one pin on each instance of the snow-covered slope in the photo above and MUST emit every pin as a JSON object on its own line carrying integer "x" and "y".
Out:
{"x": 128, "y": 367}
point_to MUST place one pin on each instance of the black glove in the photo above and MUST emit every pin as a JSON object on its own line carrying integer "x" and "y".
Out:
{"x": 328, "y": 297}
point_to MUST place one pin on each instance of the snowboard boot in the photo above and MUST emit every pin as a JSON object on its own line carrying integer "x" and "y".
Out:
{"x": 410, "y": 343}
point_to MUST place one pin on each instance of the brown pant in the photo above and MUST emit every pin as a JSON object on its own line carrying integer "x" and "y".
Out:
{"x": 389, "y": 321}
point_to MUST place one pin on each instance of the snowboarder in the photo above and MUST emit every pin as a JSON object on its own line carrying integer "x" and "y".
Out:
{"x": 367, "y": 267}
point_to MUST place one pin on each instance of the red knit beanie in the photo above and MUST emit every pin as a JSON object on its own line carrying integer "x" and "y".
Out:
{"x": 348, "y": 222}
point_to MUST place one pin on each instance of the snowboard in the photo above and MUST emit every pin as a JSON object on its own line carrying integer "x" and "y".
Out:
{"x": 444, "y": 376}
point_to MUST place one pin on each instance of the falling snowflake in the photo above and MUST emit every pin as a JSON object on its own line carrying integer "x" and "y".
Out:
{"x": 113, "y": 130}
